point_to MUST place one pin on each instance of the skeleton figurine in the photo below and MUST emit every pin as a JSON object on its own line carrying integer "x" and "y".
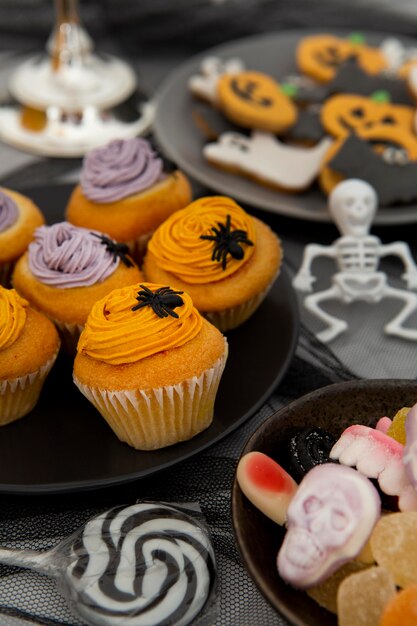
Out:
{"x": 353, "y": 204}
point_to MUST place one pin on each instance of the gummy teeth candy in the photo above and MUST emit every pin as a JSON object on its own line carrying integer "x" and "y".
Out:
{"x": 376, "y": 455}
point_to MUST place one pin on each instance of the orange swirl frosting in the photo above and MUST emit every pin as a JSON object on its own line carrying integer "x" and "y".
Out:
{"x": 116, "y": 334}
{"x": 12, "y": 316}
{"x": 178, "y": 249}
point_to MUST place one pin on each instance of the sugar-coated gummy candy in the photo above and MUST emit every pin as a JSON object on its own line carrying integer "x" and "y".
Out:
{"x": 401, "y": 610}
{"x": 410, "y": 450}
{"x": 397, "y": 428}
{"x": 266, "y": 484}
{"x": 325, "y": 593}
{"x": 362, "y": 597}
{"x": 394, "y": 546}
{"x": 308, "y": 448}
{"x": 383, "y": 424}
{"x": 376, "y": 455}
{"x": 366, "y": 555}
{"x": 330, "y": 519}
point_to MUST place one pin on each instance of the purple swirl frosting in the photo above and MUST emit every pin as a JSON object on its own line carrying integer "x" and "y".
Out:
{"x": 121, "y": 168}
{"x": 8, "y": 211}
{"x": 65, "y": 256}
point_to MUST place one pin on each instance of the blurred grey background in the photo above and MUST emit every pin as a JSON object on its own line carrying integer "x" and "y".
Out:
{"x": 197, "y": 24}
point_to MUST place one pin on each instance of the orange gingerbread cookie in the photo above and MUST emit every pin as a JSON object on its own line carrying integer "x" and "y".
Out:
{"x": 344, "y": 113}
{"x": 255, "y": 100}
{"x": 320, "y": 56}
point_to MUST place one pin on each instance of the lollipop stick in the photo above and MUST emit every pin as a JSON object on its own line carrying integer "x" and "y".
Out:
{"x": 43, "y": 562}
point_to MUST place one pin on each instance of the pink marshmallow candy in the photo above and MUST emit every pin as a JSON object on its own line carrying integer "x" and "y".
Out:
{"x": 329, "y": 520}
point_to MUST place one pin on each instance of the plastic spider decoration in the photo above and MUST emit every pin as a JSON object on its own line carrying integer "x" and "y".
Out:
{"x": 227, "y": 241}
{"x": 118, "y": 250}
{"x": 163, "y": 300}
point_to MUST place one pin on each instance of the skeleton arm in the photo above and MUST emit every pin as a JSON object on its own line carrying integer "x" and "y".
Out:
{"x": 402, "y": 250}
{"x": 304, "y": 279}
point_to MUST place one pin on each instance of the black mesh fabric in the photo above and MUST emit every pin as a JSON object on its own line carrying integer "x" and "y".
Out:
{"x": 41, "y": 522}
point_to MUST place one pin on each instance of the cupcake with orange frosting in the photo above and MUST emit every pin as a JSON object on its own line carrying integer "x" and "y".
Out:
{"x": 66, "y": 269}
{"x": 150, "y": 364}
{"x": 29, "y": 345}
{"x": 19, "y": 217}
{"x": 126, "y": 189}
{"x": 224, "y": 258}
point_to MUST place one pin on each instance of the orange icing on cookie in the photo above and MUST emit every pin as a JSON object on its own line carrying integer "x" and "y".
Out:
{"x": 177, "y": 247}
{"x": 116, "y": 334}
{"x": 345, "y": 113}
{"x": 12, "y": 316}
{"x": 321, "y": 55}
{"x": 255, "y": 100}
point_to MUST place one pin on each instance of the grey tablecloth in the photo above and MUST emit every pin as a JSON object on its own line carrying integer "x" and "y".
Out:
{"x": 364, "y": 352}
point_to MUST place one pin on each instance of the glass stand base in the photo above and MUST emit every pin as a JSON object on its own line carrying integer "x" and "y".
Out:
{"x": 58, "y": 134}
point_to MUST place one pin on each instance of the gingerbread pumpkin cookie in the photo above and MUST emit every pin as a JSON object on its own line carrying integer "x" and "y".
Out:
{"x": 320, "y": 56}
{"x": 344, "y": 113}
{"x": 255, "y": 100}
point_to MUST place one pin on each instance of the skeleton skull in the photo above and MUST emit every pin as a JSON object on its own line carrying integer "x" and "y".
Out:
{"x": 329, "y": 520}
{"x": 353, "y": 204}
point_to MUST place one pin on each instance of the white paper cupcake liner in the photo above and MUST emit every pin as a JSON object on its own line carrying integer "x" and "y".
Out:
{"x": 19, "y": 395}
{"x": 6, "y": 270}
{"x": 155, "y": 418}
{"x": 234, "y": 317}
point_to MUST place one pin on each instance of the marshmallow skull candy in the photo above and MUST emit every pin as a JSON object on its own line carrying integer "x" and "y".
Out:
{"x": 329, "y": 520}
{"x": 353, "y": 204}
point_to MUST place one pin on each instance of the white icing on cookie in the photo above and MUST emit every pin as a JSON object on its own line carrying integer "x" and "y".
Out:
{"x": 396, "y": 54}
{"x": 264, "y": 157}
{"x": 140, "y": 565}
{"x": 204, "y": 85}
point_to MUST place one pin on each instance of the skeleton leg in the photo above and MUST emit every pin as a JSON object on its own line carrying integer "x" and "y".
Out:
{"x": 394, "y": 327}
{"x": 336, "y": 326}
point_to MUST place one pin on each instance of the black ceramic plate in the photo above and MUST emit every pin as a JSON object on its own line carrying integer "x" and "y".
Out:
{"x": 65, "y": 445}
{"x": 333, "y": 408}
{"x": 272, "y": 53}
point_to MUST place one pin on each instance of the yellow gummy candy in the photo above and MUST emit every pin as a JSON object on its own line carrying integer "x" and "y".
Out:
{"x": 397, "y": 428}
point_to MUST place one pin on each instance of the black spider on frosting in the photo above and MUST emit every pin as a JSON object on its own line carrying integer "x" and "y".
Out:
{"x": 120, "y": 250}
{"x": 227, "y": 241}
{"x": 162, "y": 300}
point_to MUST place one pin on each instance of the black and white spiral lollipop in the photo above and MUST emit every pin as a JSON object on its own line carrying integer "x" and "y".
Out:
{"x": 143, "y": 565}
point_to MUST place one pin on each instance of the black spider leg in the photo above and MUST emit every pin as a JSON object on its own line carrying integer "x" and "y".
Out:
{"x": 140, "y": 304}
{"x": 221, "y": 254}
{"x": 169, "y": 311}
{"x": 116, "y": 249}
{"x": 158, "y": 309}
{"x": 148, "y": 291}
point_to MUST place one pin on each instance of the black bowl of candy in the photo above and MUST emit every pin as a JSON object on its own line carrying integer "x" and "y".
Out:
{"x": 322, "y": 488}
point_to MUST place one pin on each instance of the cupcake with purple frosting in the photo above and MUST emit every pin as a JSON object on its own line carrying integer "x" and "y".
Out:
{"x": 66, "y": 269}
{"x": 19, "y": 217}
{"x": 127, "y": 189}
